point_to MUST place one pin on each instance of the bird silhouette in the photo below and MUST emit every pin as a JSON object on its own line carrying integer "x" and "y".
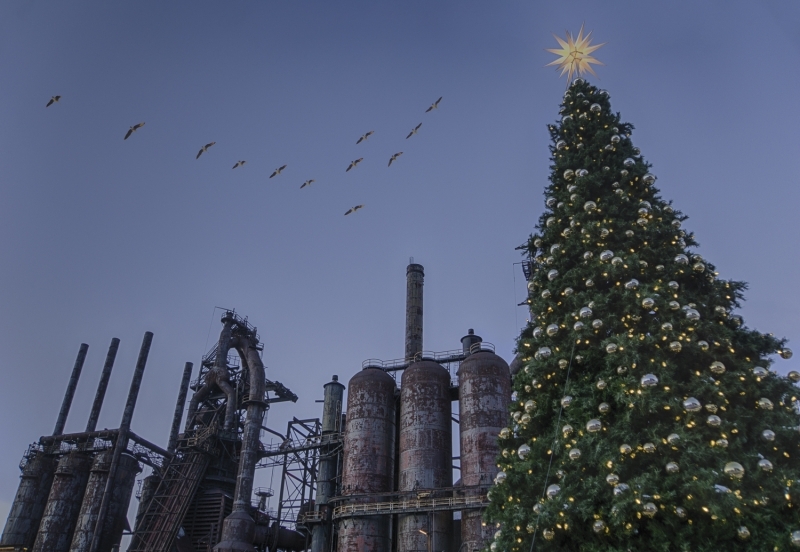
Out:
{"x": 278, "y": 171}
{"x": 394, "y": 157}
{"x": 434, "y": 105}
{"x": 413, "y": 131}
{"x": 367, "y": 135}
{"x": 53, "y": 100}
{"x": 354, "y": 163}
{"x": 353, "y": 209}
{"x": 204, "y": 149}
{"x": 239, "y": 164}
{"x": 307, "y": 183}
{"x": 133, "y": 129}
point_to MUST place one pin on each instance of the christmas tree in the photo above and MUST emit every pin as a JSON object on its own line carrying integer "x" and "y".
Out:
{"x": 646, "y": 416}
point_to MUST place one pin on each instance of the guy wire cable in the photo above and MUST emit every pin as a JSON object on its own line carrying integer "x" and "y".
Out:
{"x": 555, "y": 442}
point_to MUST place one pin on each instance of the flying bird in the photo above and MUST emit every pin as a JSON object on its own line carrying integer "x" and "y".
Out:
{"x": 394, "y": 157}
{"x": 353, "y": 209}
{"x": 204, "y": 149}
{"x": 278, "y": 171}
{"x": 367, "y": 135}
{"x": 413, "y": 131}
{"x": 354, "y": 163}
{"x": 239, "y": 164}
{"x": 133, "y": 129}
{"x": 434, "y": 105}
{"x": 53, "y": 100}
{"x": 307, "y": 183}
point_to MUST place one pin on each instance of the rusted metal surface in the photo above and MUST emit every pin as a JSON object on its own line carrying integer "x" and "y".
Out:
{"x": 90, "y": 507}
{"x": 29, "y": 502}
{"x": 70, "y": 392}
{"x": 415, "y": 278}
{"x": 63, "y": 503}
{"x": 239, "y": 527}
{"x": 179, "y": 404}
{"x": 329, "y": 463}
{"x": 122, "y": 441}
{"x": 425, "y": 452}
{"x": 99, "y": 396}
{"x": 485, "y": 392}
{"x": 369, "y": 456}
{"x": 149, "y": 486}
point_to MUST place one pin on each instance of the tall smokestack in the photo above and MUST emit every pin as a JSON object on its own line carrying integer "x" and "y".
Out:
{"x": 415, "y": 276}
{"x": 70, "y": 392}
{"x": 179, "y": 404}
{"x": 94, "y": 415}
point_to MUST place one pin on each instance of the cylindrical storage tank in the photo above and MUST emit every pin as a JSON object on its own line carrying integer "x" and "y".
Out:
{"x": 484, "y": 395}
{"x": 63, "y": 504}
{"x": 114, "y": 523}
{"x": 368, "y": 464}
{"x": 149, "y": 486}
{"x": 29, "y": 502}
{"x": 426, "y": 452}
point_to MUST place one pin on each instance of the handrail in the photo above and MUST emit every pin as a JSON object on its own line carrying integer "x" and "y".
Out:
{"x": 411, "y": 506}
{"x": 445, "y": 357}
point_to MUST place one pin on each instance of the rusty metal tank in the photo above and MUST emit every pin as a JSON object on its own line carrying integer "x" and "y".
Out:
{"x": 29, "y": 502}
{"x": 485, "y": 392}
{"x": 369, "y": 452}
{"x": 114, "y": 523}
{"x": 426, "y": 457}
{"x": 148, "y": 489}
{"x": 63, "y": 504}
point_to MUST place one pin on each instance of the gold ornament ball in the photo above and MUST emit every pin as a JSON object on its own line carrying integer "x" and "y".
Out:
{"x": 648, "y": 302}
{"x": 603, "y": 408}
{"x": 765, "y": 465}
{"x": 566, "y": 430}
{"x": 548, "y": 534}
{"x": 703, "y": 345}
{"x": 743, "y": 532}
{"x": 611, "y": 348}
{"x": 649, "y": 509}
{"x": 796, "y": 538}
{"x": 717, "y": 367}
{"x": 734, "y": 469}
{"x": 714, "y": 420}
{"x": 785, "y": 353}
{"x": 523, "y": 451}
{"x": 599, "y": 526}
{"x": 794, "y": 376}
{"x": 574, "y": 454}
{"x": 673, "y": 439}
{"x": 768, "y": 435}
{"x": 649, "y": 380}
{"x": 530, "y": 406}
{"x": 578, "y": 326}
{"x": 612, "y": 479}
{"x": 566, "y": 401}
{"x": 552, "y": 330}
{"x": 675, "y": 346}
{"x": 625, "y": 449}
{"x": 680, "y": 512}
{"x": 500, "y": 477}
{"x": 761, "y": 372}
{"x": 672, "y": 467}
{"x": 649, "y": 447}
{"x": 563, "y": 363}
{"x": 593, "y": 426}
{"x": 722, "y": 443}
{"x": 765, "y": 403}
{"x": 505, "y": 433}
{"x": 525, "y": 419}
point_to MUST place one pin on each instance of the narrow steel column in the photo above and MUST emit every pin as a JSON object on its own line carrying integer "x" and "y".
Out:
{"x": 70, "y": 392}
{"x": 329, "y": 462}
{"x": 415, "y": 276}
{"x": 122, "y": 438}
{"x": 181, "y": 402}
{"x": 91, "y": 425}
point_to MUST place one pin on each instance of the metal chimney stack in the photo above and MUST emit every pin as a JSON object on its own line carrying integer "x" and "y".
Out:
{"x": 415, "y": 277}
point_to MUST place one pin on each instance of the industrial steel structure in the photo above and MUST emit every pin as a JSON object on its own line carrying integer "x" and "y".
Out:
{"x": 375, "y": 476}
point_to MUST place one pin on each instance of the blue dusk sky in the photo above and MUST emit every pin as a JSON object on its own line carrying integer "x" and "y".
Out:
{"x": 102, "y": 237}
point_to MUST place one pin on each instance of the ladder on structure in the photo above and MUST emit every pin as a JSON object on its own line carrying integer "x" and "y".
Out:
{"x": 159, "y": 525}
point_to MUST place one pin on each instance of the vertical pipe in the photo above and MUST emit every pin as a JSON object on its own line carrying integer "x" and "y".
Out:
{"x": 415, "y": 276}
{"x": 328, "y": 463}
{"x": 70, "y": 392}
{"x": 91, "y": 425}
{"x": 180, "y": 403}
{"x": 122, "y": 438}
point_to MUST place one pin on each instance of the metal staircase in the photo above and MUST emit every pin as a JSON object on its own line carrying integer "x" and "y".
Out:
{"x": 159, "y": 524}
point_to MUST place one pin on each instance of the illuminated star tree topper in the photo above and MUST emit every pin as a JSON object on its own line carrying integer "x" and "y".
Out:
{"x": 574, "y": 56}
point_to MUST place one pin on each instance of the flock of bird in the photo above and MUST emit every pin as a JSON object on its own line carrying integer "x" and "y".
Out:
{"x": 279, "y": 170}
